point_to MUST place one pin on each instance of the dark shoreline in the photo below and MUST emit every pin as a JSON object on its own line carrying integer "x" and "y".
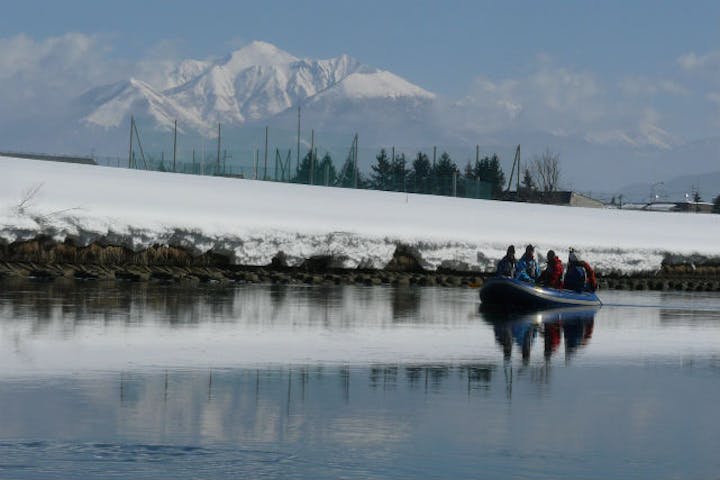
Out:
{"x": 192, "y": 275}
{"x": 47, "y": 260}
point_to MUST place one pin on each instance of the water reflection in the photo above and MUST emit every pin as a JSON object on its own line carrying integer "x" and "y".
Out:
{"x": 51, "y": 328}
{"x": 574, "y": 325}
{"x": 148, "y": 381}
{"x": 187, "y": 305}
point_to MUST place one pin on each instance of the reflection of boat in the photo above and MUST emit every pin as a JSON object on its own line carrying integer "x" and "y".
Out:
{"x": 555, "y": 315}
{"x": 575, "y": 324}
{"x": 509, "y": 292}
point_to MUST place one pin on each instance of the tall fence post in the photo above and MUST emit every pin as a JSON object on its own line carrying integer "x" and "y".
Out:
{"x": 174, "y": 145}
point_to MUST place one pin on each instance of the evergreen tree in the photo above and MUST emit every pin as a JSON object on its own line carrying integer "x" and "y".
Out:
{"x": 381, "y": 175}
{"x": 528, "y": 183}
{"x": 325, "y": 173}
{"x": 419, "y": 175}
{"x": 716, "y": 205}
{"x": 319, "y": 170}
{"x": 444, "y": 175}
{"x": 399, "y": 172}
{"x": 488, "y": 169}
{"x": 302, "y": 174}
{"x": 697, "y": 199}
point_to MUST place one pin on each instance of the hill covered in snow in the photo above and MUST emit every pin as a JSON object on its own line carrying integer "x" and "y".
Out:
{"x": 251, "y": 221}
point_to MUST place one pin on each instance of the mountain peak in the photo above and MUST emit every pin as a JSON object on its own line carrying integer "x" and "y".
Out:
{"x": 257, "y": 53}
{"x": 251, "y": 84}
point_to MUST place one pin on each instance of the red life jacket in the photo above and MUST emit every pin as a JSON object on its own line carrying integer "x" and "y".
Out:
{"x": 590, "y": 274}
{"x": 554, "y": 273}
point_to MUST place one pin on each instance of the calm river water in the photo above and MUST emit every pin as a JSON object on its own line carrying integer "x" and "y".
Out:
{"x": 148, "y": 381}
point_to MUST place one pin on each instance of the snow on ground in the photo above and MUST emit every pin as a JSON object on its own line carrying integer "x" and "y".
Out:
{"x": 253, "y": 220}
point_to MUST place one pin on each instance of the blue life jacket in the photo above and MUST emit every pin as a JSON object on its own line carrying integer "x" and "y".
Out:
{"x": 527, "y": 269}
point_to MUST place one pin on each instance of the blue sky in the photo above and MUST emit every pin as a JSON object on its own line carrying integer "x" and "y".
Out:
{"x": 642, "y": 72}
{"x": 439, "y": 45}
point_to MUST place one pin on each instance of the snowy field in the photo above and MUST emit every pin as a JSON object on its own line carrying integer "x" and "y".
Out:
{"x": 253, "y": 220}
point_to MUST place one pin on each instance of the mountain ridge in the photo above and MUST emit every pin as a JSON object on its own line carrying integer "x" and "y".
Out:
{"x": 251, "y": 84}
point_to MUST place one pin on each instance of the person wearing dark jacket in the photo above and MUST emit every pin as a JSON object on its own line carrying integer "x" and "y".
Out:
{"x": 575, "y": 277}
{"x": 506, "y": 266}
{"x": 552, "y": 275}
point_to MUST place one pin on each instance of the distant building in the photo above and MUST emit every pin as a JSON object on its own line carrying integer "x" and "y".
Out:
{"x": 50, "y": 158}
{"x": 567, "y": 198}
{"x": 686, "y": 206}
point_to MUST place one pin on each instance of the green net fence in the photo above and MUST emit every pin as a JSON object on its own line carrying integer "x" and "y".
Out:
{"x": 275, "y": 154}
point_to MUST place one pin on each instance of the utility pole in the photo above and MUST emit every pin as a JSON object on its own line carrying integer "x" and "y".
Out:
{"x": 130, "y": 153}
{"x": 516, "y": 163}
{"x": 257, "y": 155}
{"x": 266, "y": 152}
{"x": 217, "y": 169}
{"x": 434, "y": 155}
{"x": 517, "y": 188}
{"x": 297, "y": 165}
{"x": 174, "y": 145}
{"x": 137, "y": 136}
{"x": 477, "y": 154}
{"x": 355, "y": 160}
{"x": 312, "y": 150}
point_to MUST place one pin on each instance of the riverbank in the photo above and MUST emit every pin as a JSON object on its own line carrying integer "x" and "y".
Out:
{"x": 254, "y": 223}
{"x": 44, "y": 259}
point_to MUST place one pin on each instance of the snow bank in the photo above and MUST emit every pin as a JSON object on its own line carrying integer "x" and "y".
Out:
{"x": 252, "y": 220}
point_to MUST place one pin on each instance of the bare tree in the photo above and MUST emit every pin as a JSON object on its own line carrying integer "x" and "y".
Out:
{"x": 546, "y": 171}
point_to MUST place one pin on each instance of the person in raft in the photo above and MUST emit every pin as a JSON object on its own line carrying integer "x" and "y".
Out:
{"x": 506, "y": 266}
{"x": 527, "y": 268}
{"x": 553, "y": 273}
{"x": 579, "y": 276}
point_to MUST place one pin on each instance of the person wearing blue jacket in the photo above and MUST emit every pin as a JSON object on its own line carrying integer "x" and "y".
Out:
{"x": 527, "y": 268}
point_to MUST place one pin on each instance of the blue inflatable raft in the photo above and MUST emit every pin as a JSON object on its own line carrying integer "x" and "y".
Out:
{"x": 511, "y": 293}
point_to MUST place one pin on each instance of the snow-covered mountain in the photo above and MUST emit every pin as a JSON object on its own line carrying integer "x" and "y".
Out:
{"x": 253, "y": 84}
{"x": 261, "y": 85}
{"x": 115, "y": 103}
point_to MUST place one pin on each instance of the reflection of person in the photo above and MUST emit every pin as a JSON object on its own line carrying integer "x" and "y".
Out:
{"x": 527, "y": 269}
{"x": 575, "y": 326}
{"x": 503, "y": 336}
{"x": 577, "y": 333}
{"x": 506, "y": 266}
{"x": 552, "y": 334}
{"x": 524, "y": 333}
{"x": 552, "y": 275}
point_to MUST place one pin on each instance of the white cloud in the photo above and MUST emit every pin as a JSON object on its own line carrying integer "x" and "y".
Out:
{"x": 566, "y": 102}
{"x": 643, "y": 86}
{"x": 651, "y": 133}
{"x": 75, "y": 56}
{"x": 563, "y": 90}
{"x": 551, "y": 99}
{"x": 693, "y": 61}
{"x": 39, "y": 77}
